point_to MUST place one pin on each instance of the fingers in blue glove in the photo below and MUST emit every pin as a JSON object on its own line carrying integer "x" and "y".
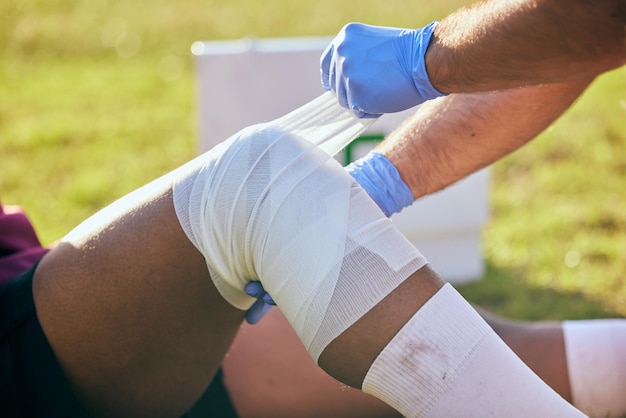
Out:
{"x": 375, "y": 70}
{"x": 261, "y": 306}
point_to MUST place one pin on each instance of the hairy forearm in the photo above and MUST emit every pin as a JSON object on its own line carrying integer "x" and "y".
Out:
{"x": 500, "y": 44}
{"x": 454, "y": 136}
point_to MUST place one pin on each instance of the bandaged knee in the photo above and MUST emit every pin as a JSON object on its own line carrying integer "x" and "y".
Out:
{"x": 447, "y": 362}
{"x": 271, "y": 204}
{"x": 596, "y": 363}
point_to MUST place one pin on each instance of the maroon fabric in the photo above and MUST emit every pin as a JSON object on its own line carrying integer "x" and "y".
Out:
{"x": 20, "y": 248}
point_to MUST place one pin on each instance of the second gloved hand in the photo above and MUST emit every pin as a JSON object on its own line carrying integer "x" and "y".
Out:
{"x": 375, "y": 70}
{"x": 382, "y": 182}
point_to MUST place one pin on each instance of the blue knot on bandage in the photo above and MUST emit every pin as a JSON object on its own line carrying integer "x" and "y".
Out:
{"x": 382, "y": 182}
{"x": 263, "y": 302}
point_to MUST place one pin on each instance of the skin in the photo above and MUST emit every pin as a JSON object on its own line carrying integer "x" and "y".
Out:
{"x": 444, "y": 141}
{"x": 140, "y": 329}
{"x": 287, "y": 383}
{"x": 454, "y": 136}
{"x": 555, "y": 47}
{"x": 117, "y": 311}
{"x": 269, "y": 373}
{"x": 502, "y": 44}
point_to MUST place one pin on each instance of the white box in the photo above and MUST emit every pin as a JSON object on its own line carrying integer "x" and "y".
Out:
{"x": 243, "y": 82}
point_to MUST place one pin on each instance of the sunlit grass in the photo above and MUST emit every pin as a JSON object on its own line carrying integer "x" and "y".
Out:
{"x": 97, "y": 97}
{"x": 558, "y": 205}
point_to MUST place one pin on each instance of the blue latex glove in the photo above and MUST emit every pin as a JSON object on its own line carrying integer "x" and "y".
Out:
{"x": 375, "y": 70}
{"x": 263, "y": 303}
{"x": 382, "y": 182}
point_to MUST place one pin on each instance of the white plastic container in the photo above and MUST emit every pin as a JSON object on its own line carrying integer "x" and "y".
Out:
{"x": 243, "y": 82}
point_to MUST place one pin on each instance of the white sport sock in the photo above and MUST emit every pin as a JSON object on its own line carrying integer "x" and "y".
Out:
{"x": 447, "y": 362}
{"x": 596, "y": 362}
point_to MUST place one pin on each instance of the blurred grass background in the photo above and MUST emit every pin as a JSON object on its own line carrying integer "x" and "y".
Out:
{"x": 97, "y": 98}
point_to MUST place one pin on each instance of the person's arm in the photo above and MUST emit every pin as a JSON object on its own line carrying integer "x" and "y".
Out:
{"x": 454, "y": 136}
{"x": 497, "y": 44}
{"x": 138, "y": 327}
{"x": 492, "y": 45}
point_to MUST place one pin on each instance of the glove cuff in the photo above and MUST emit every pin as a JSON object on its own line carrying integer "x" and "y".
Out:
{"x": 420, "y": 76}
{"x": 382, "y": 182}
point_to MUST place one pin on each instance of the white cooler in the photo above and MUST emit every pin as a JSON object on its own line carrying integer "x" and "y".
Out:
{"x": 243, "y": 82}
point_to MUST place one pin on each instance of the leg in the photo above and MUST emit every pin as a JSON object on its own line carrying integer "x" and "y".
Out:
{"x": 269, "y": 373}
{"x": 361, "y": 299}
{"x": 444, "y": 362}
{"x": 125, "y": 303}
{"x": 131, "y": 313}
{"x": 582, "y": 360}
{"x": 540, "y": 345}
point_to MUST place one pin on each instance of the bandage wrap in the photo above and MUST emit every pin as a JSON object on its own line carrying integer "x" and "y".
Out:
{"x": 270, "y": 205}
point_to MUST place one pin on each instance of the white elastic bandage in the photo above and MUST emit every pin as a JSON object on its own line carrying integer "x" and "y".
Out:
{"x": 271, "y": 204}
{"x": 596, "y": 362}
{"x": 447, "y": 362}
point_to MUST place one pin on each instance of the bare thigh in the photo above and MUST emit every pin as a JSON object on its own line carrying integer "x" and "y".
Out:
{"x": 132, "y": 314}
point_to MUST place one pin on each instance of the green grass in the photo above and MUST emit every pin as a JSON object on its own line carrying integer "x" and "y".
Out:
{"x": 558, "y": 208}
{"x": 97, "y": 97}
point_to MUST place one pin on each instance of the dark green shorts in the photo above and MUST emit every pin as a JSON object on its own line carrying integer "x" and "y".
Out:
{"x": 32, "y": 383}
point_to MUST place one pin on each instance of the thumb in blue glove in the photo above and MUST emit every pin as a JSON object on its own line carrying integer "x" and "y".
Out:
{"x": 375, "y": 70}
{"x": 382, "y": 182}
{"x": 263, "y": 303}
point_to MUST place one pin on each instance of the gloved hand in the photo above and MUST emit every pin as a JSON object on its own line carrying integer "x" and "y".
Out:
{"x": 263, "y": 303}
{"x": 382, "y": 182}
{"x": 375, "y": 70}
